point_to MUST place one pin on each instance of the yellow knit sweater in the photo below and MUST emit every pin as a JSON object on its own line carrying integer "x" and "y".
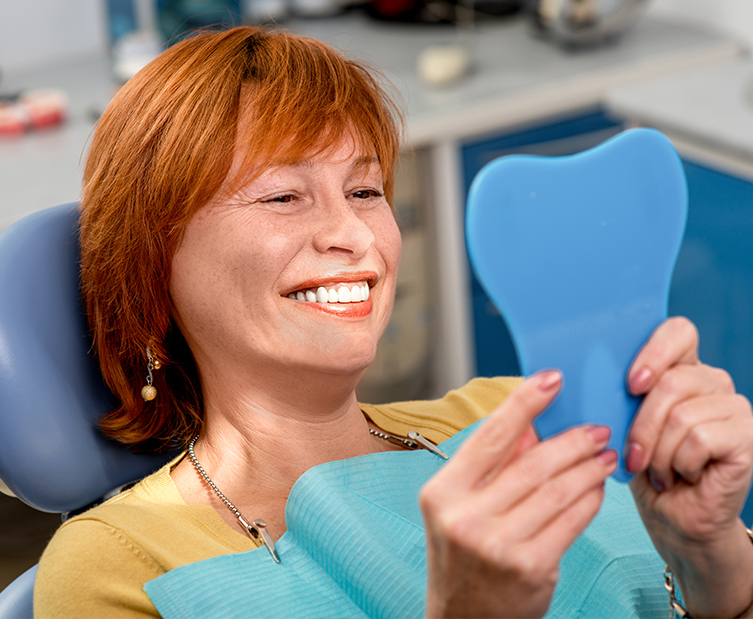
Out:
{"x": 97, "y": 563}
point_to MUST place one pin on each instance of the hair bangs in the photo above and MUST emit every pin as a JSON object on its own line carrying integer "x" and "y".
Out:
{"x": 290, "y": 116}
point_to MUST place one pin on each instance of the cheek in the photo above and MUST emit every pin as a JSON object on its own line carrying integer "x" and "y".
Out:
{"x": 215, "y": 267}
{"x": 389, "y": 241}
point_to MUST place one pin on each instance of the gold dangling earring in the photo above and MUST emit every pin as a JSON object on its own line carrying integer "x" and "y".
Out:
{"x": 149, "y": 391}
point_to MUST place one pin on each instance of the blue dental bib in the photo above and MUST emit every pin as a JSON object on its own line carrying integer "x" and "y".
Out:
{"x": 355, "y": 548}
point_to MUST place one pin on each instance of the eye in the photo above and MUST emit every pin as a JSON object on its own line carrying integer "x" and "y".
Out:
{"x": 284, "y": 202}
{"x": 365, "y": 194}
{"x": 283, "y": 199}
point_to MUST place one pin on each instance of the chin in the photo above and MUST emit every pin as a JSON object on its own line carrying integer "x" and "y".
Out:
{"x": 343, "y": 363}
{"x": 341, "y": 351}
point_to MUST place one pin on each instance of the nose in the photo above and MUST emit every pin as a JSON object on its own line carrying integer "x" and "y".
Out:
{"x": 342, "y": 230}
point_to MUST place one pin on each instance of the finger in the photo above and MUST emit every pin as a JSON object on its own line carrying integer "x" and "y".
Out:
{"x": 559, "y": 493}
{"x": 683, "y": 420}
{"x": 568, "y": 526}
{"x": 554, "y": 539}
{"x": 540, "y": 464}
{"x": 674, "y": 341}
{"x": 528, "y": 439}
{"x": 727, "y": 441}
{"x": 493, "y": 444}
{"x": 644, "y": 493}
{"x": 676, "y": 385}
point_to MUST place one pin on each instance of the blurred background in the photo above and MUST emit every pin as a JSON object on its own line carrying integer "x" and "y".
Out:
{"x": 36, "y": 32}
{"x": 479, "y": 79}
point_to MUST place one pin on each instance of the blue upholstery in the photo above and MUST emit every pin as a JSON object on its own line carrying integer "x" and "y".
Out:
{"x": 51, "y": 391}
{"x": 16, "y": 600}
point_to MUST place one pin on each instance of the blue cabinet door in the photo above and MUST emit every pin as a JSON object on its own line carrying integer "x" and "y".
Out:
{"x": 713, "y": 279}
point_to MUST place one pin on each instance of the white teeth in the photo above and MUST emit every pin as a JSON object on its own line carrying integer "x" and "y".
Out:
{"x": 343, "y": 294}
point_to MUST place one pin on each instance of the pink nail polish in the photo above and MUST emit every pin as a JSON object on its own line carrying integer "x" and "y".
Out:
{"x": 634, "y": 457}
{"x": 548, "y": 381}
{"x": 608, "y": 458}
{"x": 641, "y": 381}
{"x": 599, "y": 434}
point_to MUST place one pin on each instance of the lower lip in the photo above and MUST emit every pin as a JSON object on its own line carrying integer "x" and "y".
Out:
{"x": 342, "y": 310}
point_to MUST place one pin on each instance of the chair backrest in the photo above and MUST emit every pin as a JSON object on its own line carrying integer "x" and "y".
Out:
{"x": 52, "y": 455}
{"x": 51, "y": 391}
{"x": 17, "y": 600}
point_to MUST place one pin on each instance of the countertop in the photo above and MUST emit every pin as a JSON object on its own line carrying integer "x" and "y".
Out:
{"x": 516, "y": 78}
{"x": 710, "y": 108}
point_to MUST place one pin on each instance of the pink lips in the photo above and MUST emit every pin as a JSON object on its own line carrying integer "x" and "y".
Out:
{"x": 343, "y": 310}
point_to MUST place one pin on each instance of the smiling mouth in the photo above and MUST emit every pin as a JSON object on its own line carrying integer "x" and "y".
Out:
{"x": 339, "y": 293}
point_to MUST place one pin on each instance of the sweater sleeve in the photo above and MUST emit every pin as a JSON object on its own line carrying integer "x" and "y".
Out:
{"x": 91, "y": 569}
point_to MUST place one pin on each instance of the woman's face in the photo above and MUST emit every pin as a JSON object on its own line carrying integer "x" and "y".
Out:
{"x": 270, "y": 278}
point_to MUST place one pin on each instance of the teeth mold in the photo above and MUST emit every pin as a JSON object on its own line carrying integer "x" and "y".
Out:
{"x": 577, "y": 254}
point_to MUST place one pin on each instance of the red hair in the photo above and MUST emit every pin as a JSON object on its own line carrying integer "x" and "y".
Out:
{"x": 161, "y": 150}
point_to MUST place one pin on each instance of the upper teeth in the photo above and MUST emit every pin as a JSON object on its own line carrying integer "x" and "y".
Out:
{"x": 340, "y": 294}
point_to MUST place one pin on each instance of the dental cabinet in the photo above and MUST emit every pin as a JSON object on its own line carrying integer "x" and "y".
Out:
{"x": 521, "y": 94}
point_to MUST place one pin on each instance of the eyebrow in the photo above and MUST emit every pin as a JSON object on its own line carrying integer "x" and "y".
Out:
{"x": 363, "y": 161}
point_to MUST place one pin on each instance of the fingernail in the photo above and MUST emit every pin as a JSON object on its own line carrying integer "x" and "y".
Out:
{"x": 599, "y": 434}
{"x": 656, "y": 481}
{"x": 634, "y": 457}
{"x": 641, "y": 381}
{"x": 548, "y": 381}
{"x": 607, "y": 458}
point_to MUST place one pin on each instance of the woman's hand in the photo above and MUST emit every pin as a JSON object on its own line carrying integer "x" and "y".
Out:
{"x": 500, "y": 515}
{"x": 691, "y": 447}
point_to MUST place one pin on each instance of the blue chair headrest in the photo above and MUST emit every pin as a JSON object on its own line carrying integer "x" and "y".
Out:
{"x": 52, "y": 456}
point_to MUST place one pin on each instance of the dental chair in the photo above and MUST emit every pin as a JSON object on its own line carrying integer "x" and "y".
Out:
{"x": 52, "y": 456}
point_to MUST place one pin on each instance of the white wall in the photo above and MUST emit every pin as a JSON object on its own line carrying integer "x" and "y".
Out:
{"x": 735, "y": 17}
{"x": 37, "y": 32}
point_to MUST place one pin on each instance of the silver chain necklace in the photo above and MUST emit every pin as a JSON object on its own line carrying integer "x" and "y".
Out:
{"x": 257, "y": 530}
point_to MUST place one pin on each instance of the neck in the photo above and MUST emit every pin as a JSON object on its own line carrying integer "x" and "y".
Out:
{"x": 258, "y": 439}
{"x": 284, "y": 437}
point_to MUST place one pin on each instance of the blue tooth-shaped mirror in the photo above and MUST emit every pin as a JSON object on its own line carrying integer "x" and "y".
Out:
{"x": 577, "y": 254}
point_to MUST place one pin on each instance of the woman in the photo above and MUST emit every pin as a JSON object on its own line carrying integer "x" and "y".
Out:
{"x": 238, "y": 247}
